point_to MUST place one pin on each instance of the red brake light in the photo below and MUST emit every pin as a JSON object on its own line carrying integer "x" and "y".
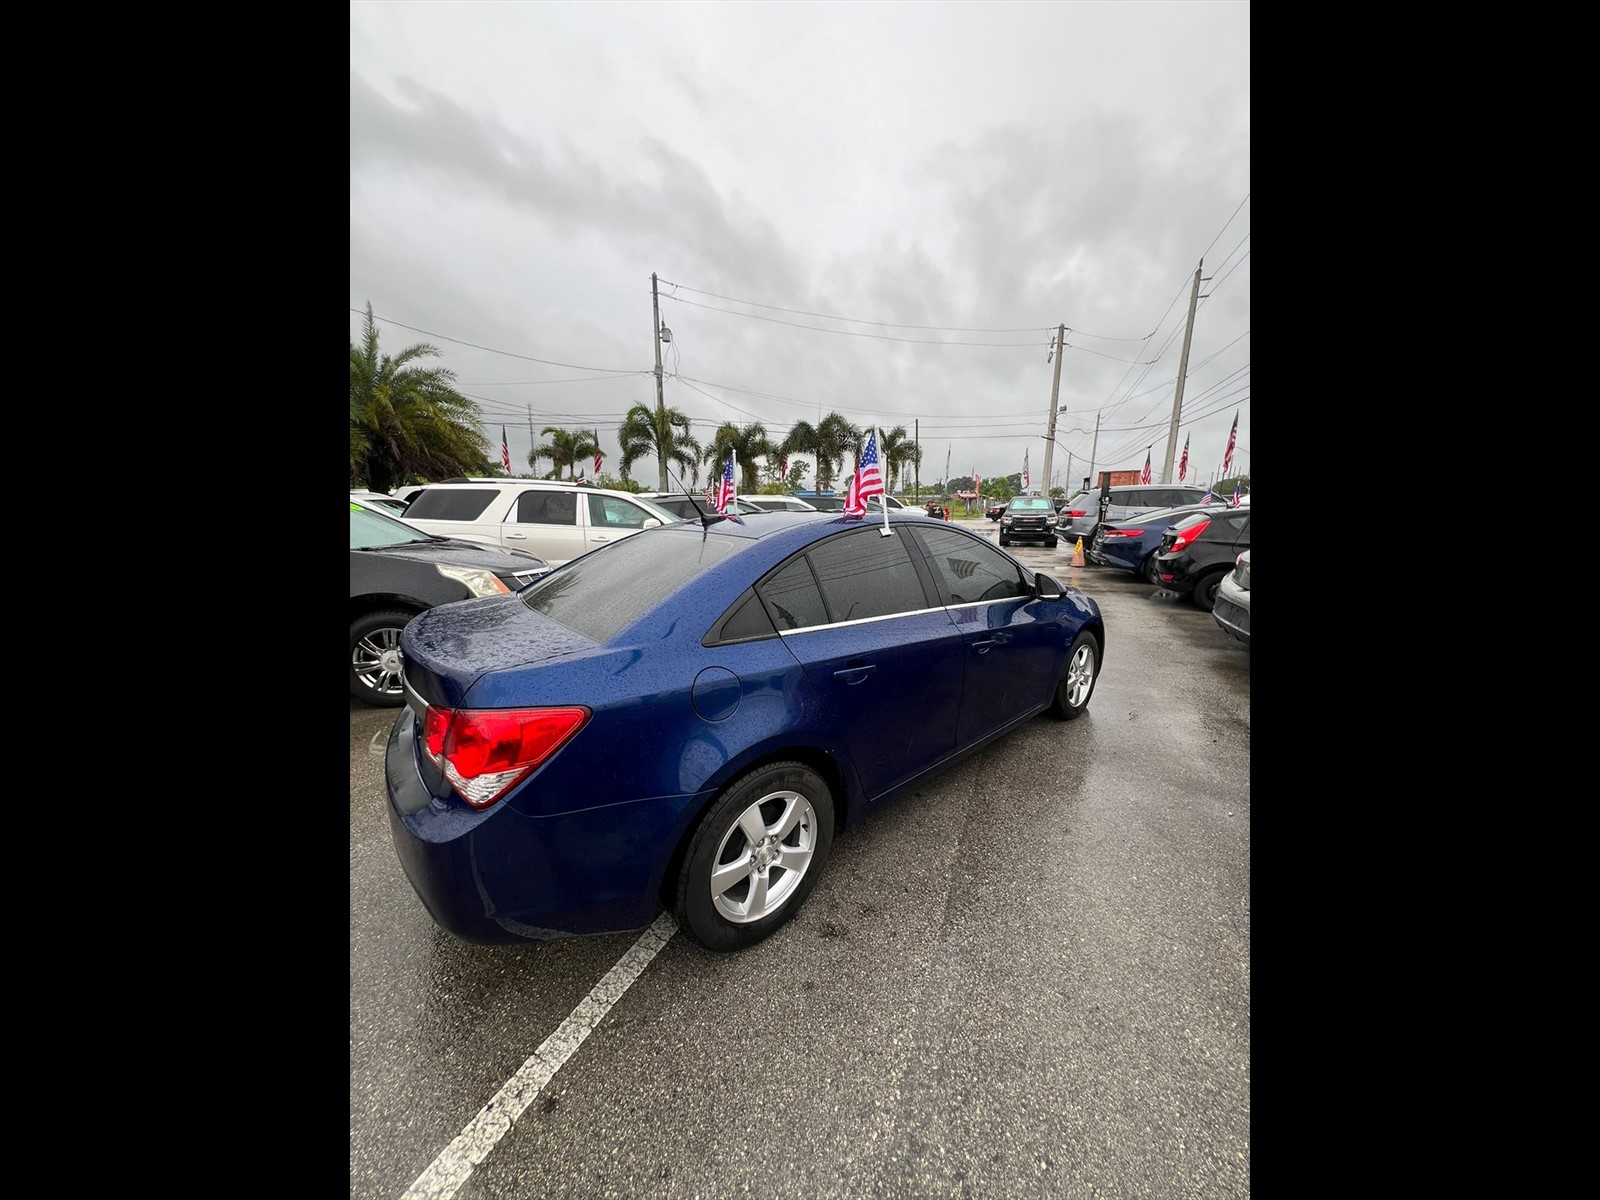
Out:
{"x": 1188, "y": 535}
{"x": 486, "y": 752}
{"x": 1077, "y": 512}
{"x": 1111, "y": 533}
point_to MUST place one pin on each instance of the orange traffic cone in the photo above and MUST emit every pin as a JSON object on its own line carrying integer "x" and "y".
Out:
{"x": 1077, "y": 554}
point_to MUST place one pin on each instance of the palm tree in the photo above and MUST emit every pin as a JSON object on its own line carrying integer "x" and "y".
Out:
{"x": 407, "y": 420}
{"x": 565, "y": 448}
{"x": 897, "y": 450}
{"x": 747, "y": 445}
{"x": 838, "y": 441}
{"x": 662, "y": 432}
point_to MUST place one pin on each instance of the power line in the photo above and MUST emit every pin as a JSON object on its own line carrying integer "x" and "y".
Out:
{"x": 882, "y": 337}
{"x": 509, "y": 354}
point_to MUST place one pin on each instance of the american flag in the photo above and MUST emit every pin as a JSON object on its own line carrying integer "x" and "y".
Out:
{"x": 867, "y": 482}
{"x": 505, "y": 451}
{"x": 1227, "y": 455}
{"x": 597, "y": 457}
{"x": 725, "y": 490}
{"x": 1206, "y": 499}
{"x": 1144, "y": 476}
{"x": 976, "y": 481}
{"x": 1234, "y": 501}
{"x": 1183, "y": 463}
{"x": 1024, "y": 470}
{"x": 783, "y": 467}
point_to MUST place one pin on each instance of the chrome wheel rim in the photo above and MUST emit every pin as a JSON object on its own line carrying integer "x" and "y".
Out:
{"x": 376, "y": 661}
{"x": 1080, "y": 677}
{"x": 763, "y": 857}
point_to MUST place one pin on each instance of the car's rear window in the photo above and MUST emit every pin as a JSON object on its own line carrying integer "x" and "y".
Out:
{"x": 600, "y": 593}
{"x": 451, "y": 504}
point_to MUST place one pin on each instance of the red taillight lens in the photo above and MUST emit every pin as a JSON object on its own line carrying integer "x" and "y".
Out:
{"x": 1116, "y": 533}
{"x": 1077, "y": 512}
{"x": 485, "y": 752}
{"x": 1188, "y": 535}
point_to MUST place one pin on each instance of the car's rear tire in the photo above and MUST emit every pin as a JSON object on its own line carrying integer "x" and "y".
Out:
{"x": 1078, "y": 678}
{"x": 1204, "y": 593}
{"x": 375, "y": 657}
{"x": 1151, "y": 570}
{"x": 755, "y": 856}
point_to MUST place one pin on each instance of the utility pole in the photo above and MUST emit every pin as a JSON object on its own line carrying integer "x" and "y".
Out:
{"x": 1183, "y": 369}
{"x": 1094, "y": 449}
{"x": 661, "y": 403}
{"x": 1055, "y": 395}
{"x": 916, "y": 463}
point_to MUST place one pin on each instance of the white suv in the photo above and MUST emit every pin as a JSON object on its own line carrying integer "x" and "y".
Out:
{"x": 553, "y": 519}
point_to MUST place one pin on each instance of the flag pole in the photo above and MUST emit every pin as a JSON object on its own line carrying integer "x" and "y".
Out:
{"x": 887, "y": 532}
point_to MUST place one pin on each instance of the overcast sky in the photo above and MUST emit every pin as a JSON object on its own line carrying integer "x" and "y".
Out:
{"x": 882, "y": 210}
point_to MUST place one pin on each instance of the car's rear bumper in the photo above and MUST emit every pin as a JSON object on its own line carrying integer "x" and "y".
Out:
{"x": 1232, "y": 616}
{"x": 501, "y": 876}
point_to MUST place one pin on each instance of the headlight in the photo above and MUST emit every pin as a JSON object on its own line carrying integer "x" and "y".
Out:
{"x": 475, "y": 579}
{"x": 1005, "y": 520}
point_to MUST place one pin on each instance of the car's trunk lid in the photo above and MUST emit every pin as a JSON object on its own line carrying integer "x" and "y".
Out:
{"x": 446, "y": 649}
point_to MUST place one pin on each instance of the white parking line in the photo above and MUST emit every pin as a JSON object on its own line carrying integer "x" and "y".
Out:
{"x": 451, "y": 1169}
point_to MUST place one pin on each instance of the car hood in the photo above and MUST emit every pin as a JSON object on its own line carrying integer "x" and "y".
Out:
{"x": 459, "y": 553}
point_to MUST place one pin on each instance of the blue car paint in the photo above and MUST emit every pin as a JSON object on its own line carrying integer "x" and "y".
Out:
{"x": 586, "y": 844}
{"x": 1131, "y": 554}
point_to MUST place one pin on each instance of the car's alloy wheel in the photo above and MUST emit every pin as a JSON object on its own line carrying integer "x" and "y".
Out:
{"x": 375, "y": 657}
{"x": 1078, "y": 678}
{"x": 755, "y": 856}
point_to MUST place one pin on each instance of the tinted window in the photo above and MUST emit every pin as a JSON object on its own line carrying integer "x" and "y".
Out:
{"x": 793, "y": 597}
{"x": 967, "y": 569}
{"x": 548, "y": 508}
{"x": 451, "y": 504}
{"x": 617, "y": 513}
{"x": 747, "y": 620}
{"x": 865, "y": 574}
{"x": 600, "y": 593}
{"x": 1192, "y": 519}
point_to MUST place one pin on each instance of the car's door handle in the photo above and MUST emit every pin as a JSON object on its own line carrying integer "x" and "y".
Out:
{"x": 983, "y": 646}
{"x": 598, "y": 537}
{"x": 855, "y": 675}
{"x": 519, "y": 537}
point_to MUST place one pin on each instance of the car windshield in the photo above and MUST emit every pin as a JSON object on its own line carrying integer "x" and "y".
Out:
{"x": 1030, "y": 504}
{"x": 371, "y": 530}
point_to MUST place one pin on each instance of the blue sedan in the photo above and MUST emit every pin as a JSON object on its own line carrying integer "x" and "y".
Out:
{"x": 1132, "y": 543}
{"x": 687, "y": 717}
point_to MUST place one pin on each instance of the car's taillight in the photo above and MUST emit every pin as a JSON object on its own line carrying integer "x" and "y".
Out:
{"x": 1188, "y": 535}
{"x": 485, "y": 752}
{"x": 1077, "y": 512}
{"x": 1111, "y": 533}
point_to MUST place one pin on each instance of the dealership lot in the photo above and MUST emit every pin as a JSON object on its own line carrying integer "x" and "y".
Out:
{"x": 1032, "y": 977}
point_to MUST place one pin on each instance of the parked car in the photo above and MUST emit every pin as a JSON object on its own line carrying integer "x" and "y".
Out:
{"x": 1028, "y": 519}
{"x": 833, "y": 504}
{"x": 779, "y": 679}
{"x": 1132, "y": 544}
{"x": 1080, "y": 516}
{"x": 554, "y": 519}
{"x": 1231, "y": 609}
{"x": 1197, "y": 551}
{"x": 691, "y": 508}
{"x": 381, "y": 501}
{"x": 397, "y": 571}
{"x": 995, "y": 511}
{"x": 936, "y": 508}
{"x": 779, "y": 503}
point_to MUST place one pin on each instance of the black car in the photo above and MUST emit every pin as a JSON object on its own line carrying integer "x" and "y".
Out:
{"x": 936, "y": 508}
{"x": 1199, "y": 551}
{"x": 995, "y": 511}
{"x": 396, "y": 572}
{"x": 1028, "y": 519}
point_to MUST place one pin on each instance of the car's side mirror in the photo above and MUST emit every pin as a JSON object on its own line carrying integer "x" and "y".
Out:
{"x": 650, "y": 523}
{"x": 1046, "y": 588}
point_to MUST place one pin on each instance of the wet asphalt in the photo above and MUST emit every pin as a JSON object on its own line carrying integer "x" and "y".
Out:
{"x": 1031, "y": 978}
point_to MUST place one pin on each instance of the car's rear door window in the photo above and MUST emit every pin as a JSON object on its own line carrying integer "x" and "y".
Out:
{"x": 537, "y": 507}
{"x": 864, "y": 574}
{"x": 613, "y": 512}
{"x": 793, "y": 597}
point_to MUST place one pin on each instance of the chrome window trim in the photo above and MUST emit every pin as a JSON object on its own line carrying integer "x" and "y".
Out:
{"x": 914, "y": 612}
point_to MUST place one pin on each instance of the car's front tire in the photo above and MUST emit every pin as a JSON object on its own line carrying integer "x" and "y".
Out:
{"x": 755, "y": 856}
{"x": 375, "y": 657}
{"x": 1078, "y": 678}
